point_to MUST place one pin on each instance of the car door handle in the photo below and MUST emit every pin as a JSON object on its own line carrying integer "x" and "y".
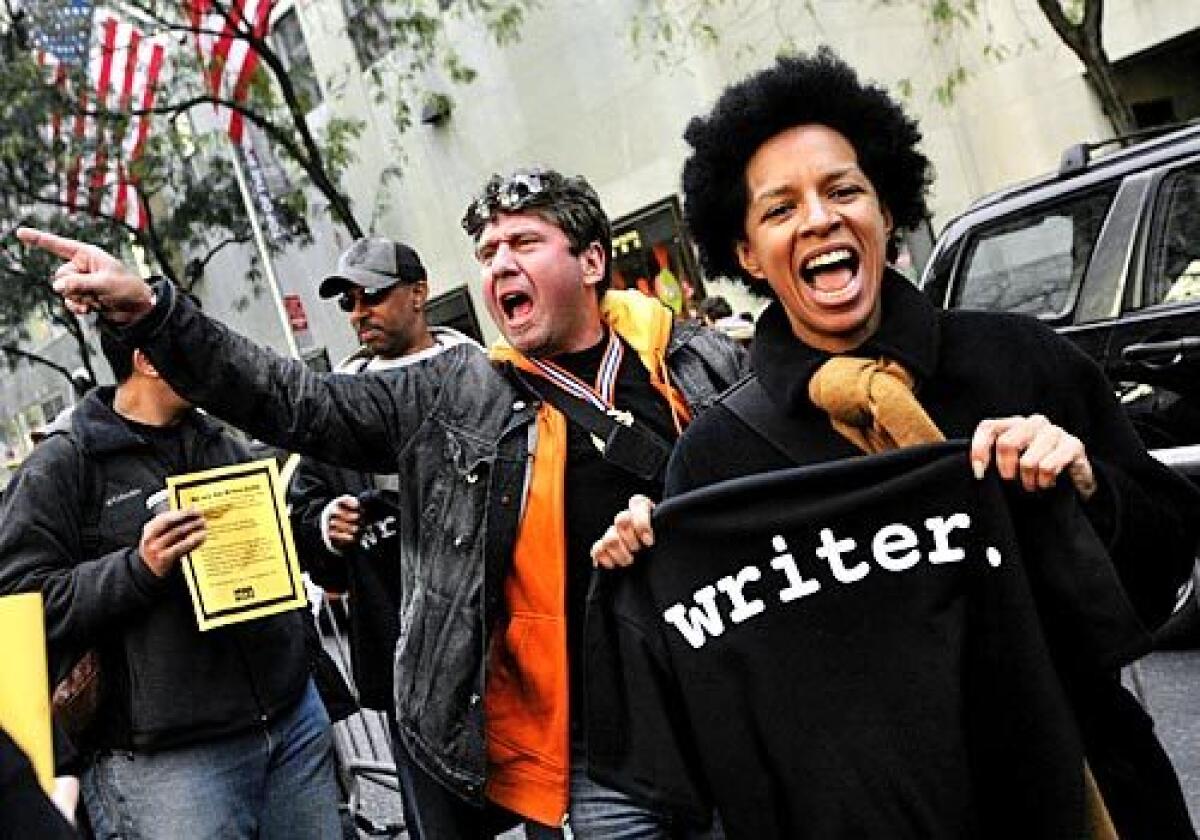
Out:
{"x": 1159, "y": 354}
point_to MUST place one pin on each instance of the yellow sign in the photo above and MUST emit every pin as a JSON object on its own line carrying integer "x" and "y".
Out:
{"x": 246, "y": 568}
{"x": 24, "y": 685}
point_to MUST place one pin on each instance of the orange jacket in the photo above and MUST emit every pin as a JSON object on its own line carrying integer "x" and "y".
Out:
{"x": 526, "y": 699}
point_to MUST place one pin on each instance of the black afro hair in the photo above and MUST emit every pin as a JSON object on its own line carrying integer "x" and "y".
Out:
{"x": 798, "y": 90}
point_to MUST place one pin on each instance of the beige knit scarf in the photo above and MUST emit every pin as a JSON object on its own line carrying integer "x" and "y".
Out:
{"x": 870, "y": 402}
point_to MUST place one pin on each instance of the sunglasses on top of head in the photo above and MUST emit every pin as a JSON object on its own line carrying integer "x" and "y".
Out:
{"x": 510, "y": 195}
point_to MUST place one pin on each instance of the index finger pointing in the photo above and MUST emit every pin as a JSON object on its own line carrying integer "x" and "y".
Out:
{"x": 58, "y": 245}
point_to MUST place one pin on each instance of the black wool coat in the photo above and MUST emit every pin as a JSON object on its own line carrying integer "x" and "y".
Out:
{"x": 970, "y": 366}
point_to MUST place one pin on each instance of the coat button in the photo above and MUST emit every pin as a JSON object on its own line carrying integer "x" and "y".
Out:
{"x": 518, "y": 405}
{"x": 505, "y": 499}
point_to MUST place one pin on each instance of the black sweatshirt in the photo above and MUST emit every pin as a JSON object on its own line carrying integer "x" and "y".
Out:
{"x": 855, "y": 650}
{"x": 970, "y": 366}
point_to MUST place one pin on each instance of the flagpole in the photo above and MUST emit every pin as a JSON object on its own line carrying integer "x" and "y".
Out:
{"x": 261, "y": 243}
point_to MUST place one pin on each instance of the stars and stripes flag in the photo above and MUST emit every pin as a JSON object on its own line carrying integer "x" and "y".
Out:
{"x": 107, "y": 134}
{"x": 56, "y": 73}
{"x": 228, "y": 60}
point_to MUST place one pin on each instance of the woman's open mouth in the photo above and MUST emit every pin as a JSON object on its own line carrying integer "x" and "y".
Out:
{"x": 831, "y": 275}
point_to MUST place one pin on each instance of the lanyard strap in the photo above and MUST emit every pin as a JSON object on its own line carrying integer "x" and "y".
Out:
{"x": 637, "y": 451}
{"x": 601, "y": 394}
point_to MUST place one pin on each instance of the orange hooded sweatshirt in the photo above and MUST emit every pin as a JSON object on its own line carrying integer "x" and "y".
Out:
{"x": 526, "y": 698}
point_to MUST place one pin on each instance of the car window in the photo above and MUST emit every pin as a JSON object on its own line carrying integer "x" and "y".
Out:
{"x": 1033, "y": 263}
{"x": 1173, "y": 270}
{"x": 1161, "y": 380}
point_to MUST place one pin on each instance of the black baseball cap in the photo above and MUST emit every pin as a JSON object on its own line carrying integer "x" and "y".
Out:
{"x": 373, "y": 263}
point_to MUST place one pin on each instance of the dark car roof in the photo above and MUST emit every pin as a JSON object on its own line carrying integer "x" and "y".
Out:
{"x": 1079, "y": 171}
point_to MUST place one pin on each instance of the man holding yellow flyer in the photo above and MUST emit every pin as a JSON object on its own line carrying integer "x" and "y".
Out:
{"x": 197, "y": 733}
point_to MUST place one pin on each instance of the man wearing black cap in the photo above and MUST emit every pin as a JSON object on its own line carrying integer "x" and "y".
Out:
{"x": 382, "y": 285}
{"x": 344, "y": 520}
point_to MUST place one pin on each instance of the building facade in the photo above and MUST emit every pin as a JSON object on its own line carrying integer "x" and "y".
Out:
{"x": 576, "y": 94}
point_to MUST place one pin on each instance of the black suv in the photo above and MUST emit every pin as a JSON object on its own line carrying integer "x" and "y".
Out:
{"x": 1107, "y": 251}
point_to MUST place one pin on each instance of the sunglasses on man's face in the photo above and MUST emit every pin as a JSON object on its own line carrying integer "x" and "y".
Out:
{"x": 370, "y": 297}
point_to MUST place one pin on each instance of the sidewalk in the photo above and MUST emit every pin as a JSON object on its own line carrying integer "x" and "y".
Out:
{"x": 1171, "y": 681}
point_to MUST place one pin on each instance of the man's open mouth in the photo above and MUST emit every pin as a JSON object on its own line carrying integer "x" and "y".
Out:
{"x": 515, "y": 304}
{"x": 831, "y": 271}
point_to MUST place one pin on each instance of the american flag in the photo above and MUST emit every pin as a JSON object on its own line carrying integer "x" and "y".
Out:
{"x": 228, "y": 60}
{"x": 61, "y": 27}
{"x": 56, "y": 74}
{"x": 106, "y": 135}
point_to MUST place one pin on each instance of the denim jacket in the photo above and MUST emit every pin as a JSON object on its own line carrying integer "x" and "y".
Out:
{"x": 457, "y": 429}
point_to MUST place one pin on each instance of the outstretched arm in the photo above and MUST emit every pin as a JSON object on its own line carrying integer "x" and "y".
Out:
{"x": 348, "y": 420}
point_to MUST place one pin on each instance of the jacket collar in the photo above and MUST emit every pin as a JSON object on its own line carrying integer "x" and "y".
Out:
{"x": 443, "y": 339}
{"x": 643, "y": 322}
{"x": 908, "y": 333}
{"x": 100, "y": 430}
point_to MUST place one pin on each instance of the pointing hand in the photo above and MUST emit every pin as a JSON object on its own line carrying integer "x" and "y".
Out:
{"x": 92, "y": 280}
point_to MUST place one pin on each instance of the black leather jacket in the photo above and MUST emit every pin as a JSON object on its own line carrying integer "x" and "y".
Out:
{"x": 164, "y": 683}
{"x": 458, "y": 430}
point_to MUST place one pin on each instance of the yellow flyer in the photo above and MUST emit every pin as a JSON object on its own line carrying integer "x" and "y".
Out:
{"x": 24, "y": 685}
{"x": 246, "y": 568}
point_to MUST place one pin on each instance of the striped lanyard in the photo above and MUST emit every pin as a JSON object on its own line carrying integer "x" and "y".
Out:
{"x": 601, "y": 394}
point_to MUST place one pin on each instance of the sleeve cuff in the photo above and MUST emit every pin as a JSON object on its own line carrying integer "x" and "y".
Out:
{"x": 146, "y": 582}
{"x": 146, "y": 327}
{"x": 1104, "y": 507}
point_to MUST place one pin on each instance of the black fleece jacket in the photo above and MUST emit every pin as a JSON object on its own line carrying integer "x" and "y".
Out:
{"x": 164, "y": 683}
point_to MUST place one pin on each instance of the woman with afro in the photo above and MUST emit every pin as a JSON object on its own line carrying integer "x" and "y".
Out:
{"x": 797, "y": 184}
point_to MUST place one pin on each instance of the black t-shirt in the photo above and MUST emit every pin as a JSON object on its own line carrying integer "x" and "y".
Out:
{"x": 595, "y": 489}
{"x": 167, "y": 441}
